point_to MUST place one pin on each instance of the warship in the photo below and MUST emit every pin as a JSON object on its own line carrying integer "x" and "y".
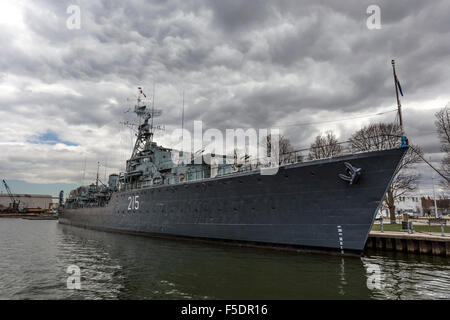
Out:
{"x": 324, "y": 204}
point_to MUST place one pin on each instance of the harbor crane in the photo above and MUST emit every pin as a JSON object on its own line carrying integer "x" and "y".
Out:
{"x": 15, "y": 203}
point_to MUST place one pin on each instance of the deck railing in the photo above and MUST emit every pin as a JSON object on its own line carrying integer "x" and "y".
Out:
{"x": 384, "y": 142}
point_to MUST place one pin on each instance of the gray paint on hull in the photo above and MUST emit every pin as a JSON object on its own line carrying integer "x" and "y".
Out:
{"x": 304, "y": 204}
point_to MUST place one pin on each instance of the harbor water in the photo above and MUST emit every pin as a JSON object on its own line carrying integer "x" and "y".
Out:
{"x": 36, "y": 254}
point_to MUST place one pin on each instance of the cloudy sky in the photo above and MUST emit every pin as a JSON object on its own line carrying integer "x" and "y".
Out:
{"x": 63, "y": 91}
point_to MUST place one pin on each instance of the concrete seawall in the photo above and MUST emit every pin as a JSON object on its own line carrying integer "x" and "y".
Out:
{"x": 30, "y": 216}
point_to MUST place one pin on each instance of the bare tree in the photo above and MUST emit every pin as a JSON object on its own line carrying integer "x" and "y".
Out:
{"x": 445, "y": 166}
{"x": 284, "y": 147}
{"x": 324, "y": 146}
{"x": 379, "y": 136}
{"x": 443, "y": 128}
{"x": 376, "y": 136}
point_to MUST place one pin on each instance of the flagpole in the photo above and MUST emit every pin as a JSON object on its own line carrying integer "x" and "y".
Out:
{"x": 399, "y": 106}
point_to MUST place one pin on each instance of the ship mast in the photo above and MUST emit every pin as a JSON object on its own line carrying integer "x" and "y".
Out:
{"x": 145, "y": 128}
{"x": 399, "y": 106}
{"x": 98, "y": 168}
{"x": 153, "y": 110}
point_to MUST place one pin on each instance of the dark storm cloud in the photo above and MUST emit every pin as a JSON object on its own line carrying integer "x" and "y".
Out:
{"x": 240, "y": 63}
{"x": 238, "y": 16}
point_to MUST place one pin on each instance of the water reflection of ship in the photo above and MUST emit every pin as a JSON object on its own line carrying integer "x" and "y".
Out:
{"x": 210, "y": 271}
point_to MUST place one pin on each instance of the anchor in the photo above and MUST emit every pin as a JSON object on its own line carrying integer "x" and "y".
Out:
{"x": 353, "y": 174}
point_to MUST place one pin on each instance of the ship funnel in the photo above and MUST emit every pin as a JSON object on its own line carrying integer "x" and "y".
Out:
{"x": 214, "y": 167}
{"x": 61, "y": 197}
{"x": 113, "y": 181}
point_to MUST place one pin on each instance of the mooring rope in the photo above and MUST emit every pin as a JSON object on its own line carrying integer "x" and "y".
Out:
{"x": 440, "y": 173}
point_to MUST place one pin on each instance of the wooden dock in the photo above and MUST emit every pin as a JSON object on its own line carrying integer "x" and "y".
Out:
{"x": 419, "y": 243}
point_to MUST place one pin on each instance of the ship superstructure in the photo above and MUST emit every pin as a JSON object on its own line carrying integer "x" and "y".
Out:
{"x": 151, "y": 164}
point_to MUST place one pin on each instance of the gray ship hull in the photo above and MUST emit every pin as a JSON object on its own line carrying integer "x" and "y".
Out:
{"x": 304, "y": 205}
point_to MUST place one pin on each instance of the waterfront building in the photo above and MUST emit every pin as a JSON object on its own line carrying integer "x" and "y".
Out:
{"x": 35, "y": 201}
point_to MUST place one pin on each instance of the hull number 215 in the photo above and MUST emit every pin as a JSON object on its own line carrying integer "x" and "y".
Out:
{"x": 133, "y": 203}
